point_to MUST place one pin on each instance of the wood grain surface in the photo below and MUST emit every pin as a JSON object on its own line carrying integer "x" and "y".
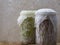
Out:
{"x": 16, "y": 43}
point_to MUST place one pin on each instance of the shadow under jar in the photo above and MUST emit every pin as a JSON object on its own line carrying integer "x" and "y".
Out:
{"x": 46, "y": 28}
{"x": 27, "y": 29}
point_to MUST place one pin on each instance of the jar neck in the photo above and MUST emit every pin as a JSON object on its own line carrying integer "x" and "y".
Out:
{"x": 27, "y": 13}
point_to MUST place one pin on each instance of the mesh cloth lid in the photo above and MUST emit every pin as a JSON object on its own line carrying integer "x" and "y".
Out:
{"x": 28, "y": 12}
{"x": 43, "y": 14}
{"x": 24, "y": 14}
{"x": 45, "y": 11}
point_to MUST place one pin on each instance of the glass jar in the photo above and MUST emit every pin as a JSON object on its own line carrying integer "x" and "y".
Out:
{"x": 46, "y": 28}
{"x": 27, "y": 29}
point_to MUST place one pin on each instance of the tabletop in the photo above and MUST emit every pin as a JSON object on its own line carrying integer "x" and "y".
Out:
{"x": 14, "y": 43}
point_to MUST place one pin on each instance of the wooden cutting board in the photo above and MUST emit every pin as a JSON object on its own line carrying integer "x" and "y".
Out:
{"x": 15, "y": 43}
{"x": 58, "y": 43}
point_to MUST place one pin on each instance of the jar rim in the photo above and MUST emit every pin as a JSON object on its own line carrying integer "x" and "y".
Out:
{"x": 45, "y": 11}
{"x": 27, "y": 12}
